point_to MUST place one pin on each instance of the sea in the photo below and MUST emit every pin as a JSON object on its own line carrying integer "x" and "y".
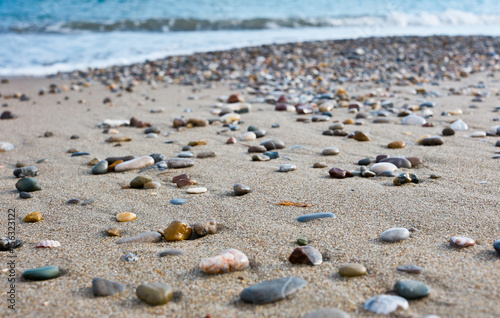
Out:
{"x": 43, "y": 37}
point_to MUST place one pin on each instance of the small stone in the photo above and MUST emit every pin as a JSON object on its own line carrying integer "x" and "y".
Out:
{"x": 330, "y": 151}
{"x": 272, "y": 154}
{"x": 260, "y": 158}
{"x": 380, "y": 157}
{"x": 172, "y": 252}
{"x": 241, "y": 189}
{"x": 146, "y": 237}
{"x": 226, "y": 261}
{"x": 306, "y": 255}
{"x": 157, "y": 157}
{"x": 459, "y": 125}
{"x": 273, "y": 144}
{"x": 287, "y": 168}
{"x": 385, "y": 304}
{"x": 365, "y": 162}
{"x": 6, "y": 146}
{"x": 231, "y": 140}
{"x": 206, "y": 154}
{"x": 130, "y": 257}
{"x": 411, "y": 289}
{"x": 114, "y": 231}
{"x": 74, "y": 201}
{"x": 155, "y": 294}
{"x": 411, "y": 269}
{"x": 125, "y": 217}
{"x": 93, "y": 162}
{"x": 33, "y": 217}
{"x": 185, "y": 183}
{"x": 349, "y": 121}
{"x": 139, "y": 181}
{"x": 198, "y": 190}
{"x": 136, "y": 163}
{"x": 197, "y": 143}
{"x": 314, "y": 216}
{"x": 399, "y": 162}
{"x": 337, "y": 173}
{"x": 460, "y": 241}
{"x": 414, "y": 120}
{"x": 361, "y": 136}
{"x": 25, "y": 195}
{"x": 180, "y": 177}
{"x": 112, "y": 160}
{"x": 414, "y": 161}
{"x": 205, "y": 228}
{"x": 7, "y": 244}
{"x": 352, "y": 270}
{"x": 178, "y": 201}
{"x": 42, "y": 273}
{"x": 152, "y": 185}
{"x": 302, "y": 241}
{"x": 177, "y": 231}
{"x": 402, "y": 178}
{"x": 395, "y": 235}
{"x": 28, "y": 185}
{"x": 248, "y": 136}
{"x": 185, "y": 154}
{"x": 118, "y": 139}
{"x": 396, "y": 144}
{"x": 102, "y": 287}
{"x": 448, "y": 132}
{"x": 48, "y": 134}
{"x": 100, "y": 168}
{"x": 327, "y": 313}
{"x": 318, "y": 165}
{"x": 383, "y": 166}
{"x": 179, "y": 163}
{"x": 259, "y": 149}
{"x": 30, "y": 171}
{"x": 478, "y": 134}
{"x": 80, "y": 153}
{"x": 271, "y": 291}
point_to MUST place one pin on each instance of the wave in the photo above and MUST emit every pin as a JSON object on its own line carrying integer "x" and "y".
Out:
{"x": 394, "y": 18}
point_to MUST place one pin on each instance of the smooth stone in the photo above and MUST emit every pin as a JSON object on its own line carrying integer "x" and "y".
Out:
{"x": 152, "y": 185}
{"x": 260, "y": 157}
{"x": 42, "y": 273}
{"x": 396, "y": 144}
{"x": 178, "y": 201}
{"x": 6, "y": 146}
{"x": 432, "y": 141}
{"x": 30, "y": 171}
{"x": 459, "y": 125}
{"x": 415, "y": 161}
{"x": 80, "y": 153}
{"x": 178, "y": 163}
{"x": 361, "y": 136}
{"x": 411, "y": 289}
{"x": 402, "y": 178}
{"x": 448, "y": 132}
{"x": 230, "y": 260}
{"x": 101, "y": 167}
{"x": 171, "y": 252}
{"x": 386, "y": 174}
{"x": 385, "y": 304}
{"x": 125, "y": 217}
{"x": 146, "y": 237}
{"x": 7, "y": 244}
{"x": 321, "y": 164}
{"x": 399, "y": 162}
{"x": 111, "y": 160}
{"x": 273, "y": 144}
{"x": 157, "y": 157}
{"x": 118, "y": 139}
{"x": 327, "y": 313}
{"x": 28, "y": 185}
{"x": 367, "y": 173}
{"x": 460, "y": 241}
{"x": 204, "y": 228}
{"x": 177, "y": 231}
{"x": 330, "y": 151}
{"x": 337, "y": 173}
{"x": 395, "y": 234}
{"x": 313, "y": 216}
{"x": 336, "y": 126}
{"x": 271, "y": 291}
{"x": 139, "y": 181}
{"x": 478, "y": 134}
{"x": 198, "y": 190}
{"x": 306, "y": 255}
{"x": 152, "y": 129}
{"x": 258, "y": 149}
{"x": 272, "y": 154}
{"x": 248, "y": 136}
{"x": 114, "y": 231}
{"x": 302, "y": 241}
{"x": 413, "y": 120}
{"x": 130, "y": 257}
{"x": 382, "y": 120}
{"x": 74, "y": 201}
{"x": 260, "y": 133}
{"x": 365, "y": 162}
{"x": 383, "y": 166}
{"x": 155, "y": 294}
{"x": 352, "y": 270}
{"x": 241, "y": 189}
{"x": 185, "y": 154}
{"x": 136, "y": 163}
{"x": 380, "y": 157}
{"x": 25, "y": 195}
{"x": 206, "y": 154}
{"x": 102, "y": 287}
{"x": 185, "y": 182}
{"x": 411, "y": 269}
{"x": 33, "y": 217}
{"x": 496, "y": 246}
{"x": 287, "y": 168}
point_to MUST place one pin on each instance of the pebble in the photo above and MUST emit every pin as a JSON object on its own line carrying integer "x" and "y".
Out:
{"x": 302, "y": 241}
{"x": 7, "y": 244}
{"x": 25, "y": 195}
{"x": 414, "y": 161}
{"x": 287, "y": 168}
{"x": 80, "y": 153}
{"x": 195, "y": 143}
{"x": 136, "y": 163}
{"x": 460, "y": 241}
{"x": 28, "y": 185}
{"x": 321, "y": 164}
{"x": 338, "y": 173}
{"x": 459, "y": 125}
{"x": 178, "y": 163}
{"x": 496, "y": 246}
{"x": 33, "y": 217}
{"x": 93, "y": 162}
{"x": 432, "y": 141}
{"x": 327, "y": 313}
{"x": 396, "y": 144}
{"x": 139, "y": 181}
{"x": 6, "y": 146}
{"x": 231, "y": 140}
{"x": 383, "y": 166}
{"x": 146, "y": 237}
{"x": 88, "y": 201}
{"x": 130, "y": 257}
{"x": 306, "y": 255}
{"x": 273, "y": 144}
{"x": 248, "y": 136}
{"x": 411, "y": 269}
{"x": 365, "y": 162}
{"x": 448, "y": 132}
{"x": 241, "y": 189}
{"x": 177, "y": 231}
{"x": 152, "y": 185}
{"x": 314, "y": 216}
{"x": 152, "y": 135}
{"x": 352, "y": 270}
{"x": 74, "y": 201}
{"x": 226, "y": 261}
{"x": 273, "y": 290}
{"x": 478, "y": 134}
{"x": 125, "y": 217}
{"x": 411, "y": 289}
{"x": 395, "y": 235}
{"x": 102, "y": 287}
{"x": 111, "y": 160}
{"x": 178, "y": 201}
{"x": 385, "y": 304}
{"x": 198, "y": 190}
{"x": 30, "y": 171}
{"x": 101, "y": 167}
{"x": 413, "y": 120}
{"x": 204, "y": 228}
{"x": 171, "y": 252}
{"x": 118, "y": 139}
{"x": 185, "y": 154}
{"x": 399, "y": 162}
{"x": 406, "y": 177}
{"x": 206, "y": 154}
{"x": 260, "y": 157}
{"x": 114, "y": 231}
{"x": 260, "y": 149}
{"x": 361, "y": 136}
{"x": 330, "y": 151}
{"x": 157, "y": 157}
{"x": 155, "y": 294}
{"x": 382, "y": 120}
{"x": 42, "y": 273}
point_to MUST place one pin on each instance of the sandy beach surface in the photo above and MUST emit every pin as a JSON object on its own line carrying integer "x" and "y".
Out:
{"x": 464, "y": 201}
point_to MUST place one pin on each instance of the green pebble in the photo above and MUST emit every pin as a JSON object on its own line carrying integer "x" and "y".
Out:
{"x": 28, "y": 185}
{"x": 42, "y": 273}
{"x": 139, "y": 181}
{"x": 411, "y": 289}
{"x": 302, "y": 241}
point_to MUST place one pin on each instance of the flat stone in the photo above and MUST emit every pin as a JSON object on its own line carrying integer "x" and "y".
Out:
{"x": 42, "y": 273}
{"x": 226, "y": 261}
{"x": 411, "y": 289}
{"x": 118, "y": 139}
{"x": 155, "y": 294}
{"x": 478, "y": 134}
{"x": 383, "y": 166}
{"x": 185, "y": 154}
{"x": 306, "y": 255}
{"x": 399, "y": 162}
{"x": 178, "y": 201}
{"x": 318, "y": 165}
{"x": 177, "y": 231}
{"x": 125, "y": 217}
{"x": 111, "y": 160}
{"x": 198, "y": 190}
{"x": 432, "y": 141}
{"x": 272, "y": 154}
{"x": 411, "y": 269}
{"x": 171, "y": 252}
{"x": 25, "y": 195}
{"x": 413, "y": 120}
{"x": 396, "y": 144}
{"x": 461, "y": 241}
{"x": 6, "y": 146}
{"x": 352, "y": 270}
{"x": 273, "y": 144}
{"x": 139, "y": 181}
{"x": 248, "y": 136}
{"x": 74, "y": 201}
{"x": 395, "y": 234}
{"x": 241, "y": 189}
{"x": 80, "y": 153}
{"x": 102, "y": 287}
{"x": 136, "y": 163}
{"x": 365, "y": 162}
{"x": 185, "y": 183}
{"x": 314, "y": 216}
{"x": 330, "y": 151}
{"x": 271, "y": 291}
{"x": 382, "y": 120}
{"x": 179, "y": 163}
{"x": 28, "y": 185}
{"x": 361, "y": 136}
{"x": 327, "y": 313}
{"x": 257, "y": 149}
{"x": 287, "y": 168}
{"x": 146, "y": 237}
{"x": 415, "y": 161}
{"x": 385, "y": 304}
{"x": 30, "y": 171}
{"x": 204, "y": 228}
{"x": 206, "y": 154}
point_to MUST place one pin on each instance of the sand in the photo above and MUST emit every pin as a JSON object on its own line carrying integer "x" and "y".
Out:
{"x": 463, "y": 202}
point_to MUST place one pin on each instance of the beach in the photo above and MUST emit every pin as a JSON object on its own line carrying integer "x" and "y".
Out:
{"x": 459, "y": 75}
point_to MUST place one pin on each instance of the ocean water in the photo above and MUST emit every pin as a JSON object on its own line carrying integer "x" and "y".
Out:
{"x": 41, "y": 37}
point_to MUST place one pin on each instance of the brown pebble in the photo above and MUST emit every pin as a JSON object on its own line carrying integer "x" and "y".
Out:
{"x": 396, "y": 144}
{"x": 352, "y": 270}
{"x": 114, "y": 231}
{"x": 197, "y": 143}
{"x": 361, "y": 136}
{"x": 125, "y": 217}
{"x": 307, "y": 255}
{"x": 33, "y": 217}
{"x": 177, "y": 231}
{"x": 349, "y": 121}
{"x": 118, "y": 139}
{"x": 112, "y": 166}
{"x": 72, "y": 150}
{"x": 180, "y": 177}
{"x": 185, "y": 182}
{"x": 231, "y": 140}
{"x": 319, "y": 165}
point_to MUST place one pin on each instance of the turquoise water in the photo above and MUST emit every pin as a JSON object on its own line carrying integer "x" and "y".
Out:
{"x": 43, "y": 37}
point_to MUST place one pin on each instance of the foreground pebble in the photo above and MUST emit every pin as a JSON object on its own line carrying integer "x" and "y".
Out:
{"x": 30, "y": 171}
{"x": 155, "y": 294}
{"x": 385, "y": 304}
{"x": 287, "y": 168}
{"x": 306, "y": 255}
{"x": 125, "y": 217}
{"x": 461, "y": 241}
{"x": 411, "y": 289}
{"x": 395, "y": 235}
{"x": 28, "y": 185}
{"x": 42, "y": 273}
{"x": 241, "y": 189}
{"x": 177, "y": 231}
{"x": 179, "y": 163}
{"x": 271, "y": 291}
{"x": 226, "y": 261}
{"x": 314, "y": 216}
{"x": 134, "y": 164}
{"x": 102, "y": 287}
{"x": 352, "y": 270}
{"x": 33, "y": 217}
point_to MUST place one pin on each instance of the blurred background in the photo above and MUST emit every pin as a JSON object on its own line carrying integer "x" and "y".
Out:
{"x": 44, "y": 37}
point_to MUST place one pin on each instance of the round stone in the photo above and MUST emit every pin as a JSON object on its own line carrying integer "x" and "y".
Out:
{"x": 337, "y": 173}
{"x": 459, "y": 125}
{"x": 33, "y": 217}
{"x": 365, "y": 162}
{"x": 157, "y": 157}
{"x": 352, "y": 270}
{"x": 273, "y": 144}
{"x": 302, "y": 241}
{"x": 383, "y": 166}
{"x": 100, "y": 168}
{"x": 258, "y": 149}
{"x": 432, "y": 141}
{"x": 204, "y": 228}
{"x": 321, "y": 164}
{"x": 155, "y": 294}
{"x": 413, "y": 120}
{"x": 399, "y": 162}
{"x": 395, "y": 235}
{"x": 177, "y": 231}
{"x": 385, "y": 304}
{"x": 361, "y": 136}
{"x": 139, "y": 181}
{"x": 241, "y": 189}
{"x": 287, "y": 168}
{"x": 396, "y": 144}
{"x": 6, "y": 146}
{"x": 306, "y": 255}
{"x": 102, "y": 287}
{"x": 28, "y": 185}
{"x": 248, "y": 136}
{"x": 42, "y": 273}
{"x": 125, "y": 217}
{"x": 226, "y": 261}
{"x": 271, "y": 291}
{"x": 411, "y": 289}
{"x": 448, "y": 132}
{"x": 152, "y": 185}
{"x": 330, "y": 151}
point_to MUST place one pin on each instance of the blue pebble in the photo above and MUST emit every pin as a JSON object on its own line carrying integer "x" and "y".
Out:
{"x": 271, "y": 154}
{"x": 77, "y": 154}
{"x": 178, "y": 201}
{"x": 313, "y": 216}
